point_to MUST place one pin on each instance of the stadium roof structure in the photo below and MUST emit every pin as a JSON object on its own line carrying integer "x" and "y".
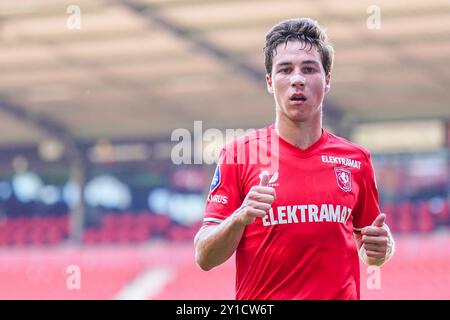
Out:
{"x": 141, "y": 68}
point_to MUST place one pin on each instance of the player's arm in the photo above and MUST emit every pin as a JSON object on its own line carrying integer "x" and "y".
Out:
{"x": 214, "y": 244}
{"x": 375, "y": 242}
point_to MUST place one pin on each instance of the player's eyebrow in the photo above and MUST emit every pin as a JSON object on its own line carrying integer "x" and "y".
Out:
{"x": 283, "y": 63}
{"x": 310, "y": 62}
{"x": 288, "y": 63}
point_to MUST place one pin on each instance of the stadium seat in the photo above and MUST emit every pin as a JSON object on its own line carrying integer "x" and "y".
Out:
{"x": 405, "y": 221}
{"x": 391, "y": 215}
{"x": 54, "y": 235}
{"x": 444, "y": 214}
{"x": 425, "y": 218}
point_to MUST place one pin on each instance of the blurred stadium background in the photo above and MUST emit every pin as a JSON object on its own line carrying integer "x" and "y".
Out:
{"x": 86, "y": 117}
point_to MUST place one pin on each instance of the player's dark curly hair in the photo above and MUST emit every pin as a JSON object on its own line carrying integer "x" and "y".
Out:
{"x": 303, "y": 29}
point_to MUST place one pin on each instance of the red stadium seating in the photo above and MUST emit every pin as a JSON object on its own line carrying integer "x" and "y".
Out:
{"x": 129, "y": 227}
{"x": 425, "y": 219}
{"x": 405, "y": 217}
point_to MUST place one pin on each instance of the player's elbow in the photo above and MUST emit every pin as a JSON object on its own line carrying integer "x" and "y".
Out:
{"x": 204, "y": 267}
{"x": 202, "y": 261}
{"x": 202, "y": 264}
{"x": 200, "y": 258}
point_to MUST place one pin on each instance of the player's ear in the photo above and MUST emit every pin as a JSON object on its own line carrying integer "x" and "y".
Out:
{"x": 269, "y": 83}
{"x": 327, "y": 82}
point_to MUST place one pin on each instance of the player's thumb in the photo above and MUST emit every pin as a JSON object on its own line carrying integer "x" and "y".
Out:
{"x": 264, "y": 179}
{"x": 379, "y": 221}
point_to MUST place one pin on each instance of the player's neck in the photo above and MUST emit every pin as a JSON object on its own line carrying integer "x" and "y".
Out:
{"x": 301, "y": 134}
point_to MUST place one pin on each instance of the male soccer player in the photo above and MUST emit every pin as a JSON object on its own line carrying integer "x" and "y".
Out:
{"x": 298, "y": 230}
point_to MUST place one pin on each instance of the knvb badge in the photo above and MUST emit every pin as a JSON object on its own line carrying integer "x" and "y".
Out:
{"x": 343, "y": 178}
{"x": 216, "y": 179}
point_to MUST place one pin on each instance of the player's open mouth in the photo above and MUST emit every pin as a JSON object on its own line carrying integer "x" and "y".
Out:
{"x": 298, "y": 98}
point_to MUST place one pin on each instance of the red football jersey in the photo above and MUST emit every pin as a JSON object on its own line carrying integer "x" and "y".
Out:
{"x": 304, "y": 247}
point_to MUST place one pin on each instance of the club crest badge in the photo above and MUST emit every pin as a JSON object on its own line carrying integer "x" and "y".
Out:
{"x": 343, "y": 178}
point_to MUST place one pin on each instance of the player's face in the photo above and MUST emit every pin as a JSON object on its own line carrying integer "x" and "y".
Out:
{"x": 298, "y": 82}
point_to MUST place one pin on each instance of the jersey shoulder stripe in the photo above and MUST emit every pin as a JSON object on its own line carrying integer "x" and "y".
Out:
{"x": 214, "y": 220}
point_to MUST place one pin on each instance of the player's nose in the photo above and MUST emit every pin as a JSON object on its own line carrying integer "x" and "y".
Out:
{"x": 298, "y": 80}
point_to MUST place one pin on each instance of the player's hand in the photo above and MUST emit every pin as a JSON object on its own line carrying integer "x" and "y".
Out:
{"x": 375, "y": 238}
{"x": 257, "y": 202}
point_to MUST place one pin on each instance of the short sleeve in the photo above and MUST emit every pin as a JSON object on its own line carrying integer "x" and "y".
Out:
{"x": 225, "y": 195}
{"x": 367, "y": 207}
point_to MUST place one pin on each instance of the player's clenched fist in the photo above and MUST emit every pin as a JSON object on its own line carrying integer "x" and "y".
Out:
{"x": 257, "y": 202}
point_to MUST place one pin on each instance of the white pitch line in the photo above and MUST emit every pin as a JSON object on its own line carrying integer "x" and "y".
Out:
{"x": 146, "y": 285}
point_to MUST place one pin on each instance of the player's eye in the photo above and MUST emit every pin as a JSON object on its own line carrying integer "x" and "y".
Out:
{"x": 285, "y": 70}
{"x": 309, "y": 70}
